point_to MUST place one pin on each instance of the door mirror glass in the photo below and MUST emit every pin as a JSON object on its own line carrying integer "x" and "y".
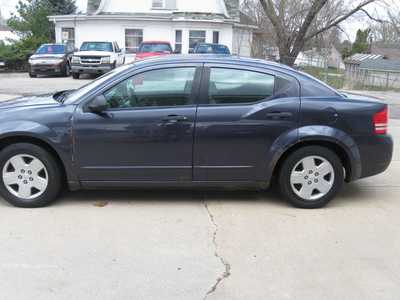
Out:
{"x": 98, "y": 105}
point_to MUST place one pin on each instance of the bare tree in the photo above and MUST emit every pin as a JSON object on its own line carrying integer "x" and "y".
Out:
{"x": 296, "y": 22}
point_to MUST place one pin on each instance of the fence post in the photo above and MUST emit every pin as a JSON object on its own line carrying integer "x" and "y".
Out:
{"x": 387, "y": 80}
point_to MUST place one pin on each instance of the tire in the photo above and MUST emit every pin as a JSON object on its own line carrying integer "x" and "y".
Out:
{"x": 31, "y": 75}
{"x": 114, "y": 65}
{"x": 303, "y": 186}
{"x": 34, "y": 166}
{"x": 67, "y": 71}
{"x": 75, "y": 75}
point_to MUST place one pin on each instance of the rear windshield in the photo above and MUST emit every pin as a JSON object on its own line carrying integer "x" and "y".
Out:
{"x": 217, "y": 49}
{"x": 97, "y": 46}
{"x": 51, "y": 49}
{"x": 155, "y": 47}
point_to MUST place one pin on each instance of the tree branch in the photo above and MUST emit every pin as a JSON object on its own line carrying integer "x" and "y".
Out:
{"x": 339, "y": 20}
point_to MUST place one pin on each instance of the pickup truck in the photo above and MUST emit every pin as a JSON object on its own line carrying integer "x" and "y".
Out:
{"x": 96, "y": 58}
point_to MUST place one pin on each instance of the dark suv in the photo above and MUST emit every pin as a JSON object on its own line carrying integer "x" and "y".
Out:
{"x": 206, "y": 48}
{"x": 51, "y": 59}
{"x": 193, "y": 121}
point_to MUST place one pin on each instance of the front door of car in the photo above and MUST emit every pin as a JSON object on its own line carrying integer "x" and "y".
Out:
{"x": 242, "y": 114}
{"x": 146, "y": 134}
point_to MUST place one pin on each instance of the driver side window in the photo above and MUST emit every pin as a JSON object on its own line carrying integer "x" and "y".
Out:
{"x": 164, "y": 87}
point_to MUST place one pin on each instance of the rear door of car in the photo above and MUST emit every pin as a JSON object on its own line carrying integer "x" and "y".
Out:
{"x": 242, "y": 112}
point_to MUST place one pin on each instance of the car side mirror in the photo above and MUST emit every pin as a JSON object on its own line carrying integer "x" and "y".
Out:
{"x": 98, "y": 105}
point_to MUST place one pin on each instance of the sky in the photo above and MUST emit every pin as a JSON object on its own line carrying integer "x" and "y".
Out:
{"x": 351, "y": 26}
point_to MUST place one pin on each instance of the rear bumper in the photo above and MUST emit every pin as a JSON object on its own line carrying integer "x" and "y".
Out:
{"x": 93, "y": 69}
{"x": 375, "y": 153}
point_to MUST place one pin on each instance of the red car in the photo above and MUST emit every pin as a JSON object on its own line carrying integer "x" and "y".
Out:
{"x": 153, "y": 48}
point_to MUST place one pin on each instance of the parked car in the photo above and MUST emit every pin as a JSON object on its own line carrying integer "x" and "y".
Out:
{"x": 206, "y": 48}
{"x": 51, "y": 59}
{"x": 96, "y": 58}
{"x": 152, "y": 49}
{"x": 193, "y": 121}
{"x": 3, "y": 64}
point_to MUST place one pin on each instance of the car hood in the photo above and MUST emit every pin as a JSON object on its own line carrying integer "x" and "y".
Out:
{"x": 29, "y": 101}
{"x": 45, "y": 56}
{"x": 93, "y": 53}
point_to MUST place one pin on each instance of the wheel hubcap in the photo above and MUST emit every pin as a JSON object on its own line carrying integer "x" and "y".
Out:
{"x": 25, "y": 176}
{"x": 312, "y": 178}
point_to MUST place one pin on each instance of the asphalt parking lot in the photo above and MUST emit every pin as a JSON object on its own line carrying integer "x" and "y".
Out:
{"x": 202, "y": 245}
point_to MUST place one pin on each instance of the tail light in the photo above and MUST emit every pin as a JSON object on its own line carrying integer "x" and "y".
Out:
{"x": 380, "y": 121}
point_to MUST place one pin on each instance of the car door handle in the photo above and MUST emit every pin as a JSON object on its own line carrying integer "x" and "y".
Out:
{"x": 175, "y": 118}
{"x": 278, "y": 115}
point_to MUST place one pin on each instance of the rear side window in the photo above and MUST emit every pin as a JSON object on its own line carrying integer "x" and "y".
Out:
{"x": 230, "y": 86}
{"x": 312, "y": 87}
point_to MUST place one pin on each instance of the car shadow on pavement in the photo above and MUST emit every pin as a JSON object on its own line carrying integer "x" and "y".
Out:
{"x": 350, "y": 193}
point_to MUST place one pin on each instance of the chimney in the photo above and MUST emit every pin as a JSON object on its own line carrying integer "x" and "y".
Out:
{"x": 92, "y": 6}
{"x": 233, "y": 8}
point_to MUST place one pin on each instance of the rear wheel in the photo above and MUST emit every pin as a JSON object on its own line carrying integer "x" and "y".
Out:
{"x": 30, "y": 176}
{"x": 311, "y": 176}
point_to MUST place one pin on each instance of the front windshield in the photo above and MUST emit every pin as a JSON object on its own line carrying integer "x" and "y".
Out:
{"x": 77, "y": 94}
{"x": 51, "y": 49}
{"x": 97, "y": 46}
{"x": 150, "y": 47}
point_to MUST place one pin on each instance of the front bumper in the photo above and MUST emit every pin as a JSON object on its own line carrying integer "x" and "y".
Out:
{"x": 376, "y": 153}
{"x": 91, "y": 69}
{"x": 46, "y": 69}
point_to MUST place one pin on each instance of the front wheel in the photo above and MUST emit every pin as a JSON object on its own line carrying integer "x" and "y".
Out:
{"x": 75, "y": 75}
{"x": 311, "y": 176}
{"x": 30, "y": 176}
{"x": 67, "y": 71}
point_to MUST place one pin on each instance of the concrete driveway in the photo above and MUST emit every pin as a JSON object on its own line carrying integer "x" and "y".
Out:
{"x": 204, "y": 245}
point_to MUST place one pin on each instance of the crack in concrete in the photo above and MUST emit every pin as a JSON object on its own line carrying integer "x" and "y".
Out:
{"x": 227, "y": 266}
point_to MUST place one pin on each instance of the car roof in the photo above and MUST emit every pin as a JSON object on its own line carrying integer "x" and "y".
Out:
{"x": 97, "y": 42}
{"x": 155, "y": 42}
{"x": 211, "y": 44}
{"x": 53, "y": 44}
{"x": 215, "y": 58}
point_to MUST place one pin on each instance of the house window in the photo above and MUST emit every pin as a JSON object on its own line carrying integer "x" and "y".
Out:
{"x": 178, "y": 41}
{"x": 158, "y": 3}
{"x": 196, "y": 37}
{"x": 68, "y": 36}
{"x": 133, "y": 38}
{"x": 216, "y": 37}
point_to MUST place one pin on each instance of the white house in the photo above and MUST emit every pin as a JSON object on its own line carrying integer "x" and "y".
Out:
{"x": 6, "y": 34}
{"x": 181, "y": 22}
{"x": 320, "y": 58}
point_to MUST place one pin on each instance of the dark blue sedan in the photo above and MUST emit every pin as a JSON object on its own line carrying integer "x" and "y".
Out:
{"x": 192, "y": 121}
